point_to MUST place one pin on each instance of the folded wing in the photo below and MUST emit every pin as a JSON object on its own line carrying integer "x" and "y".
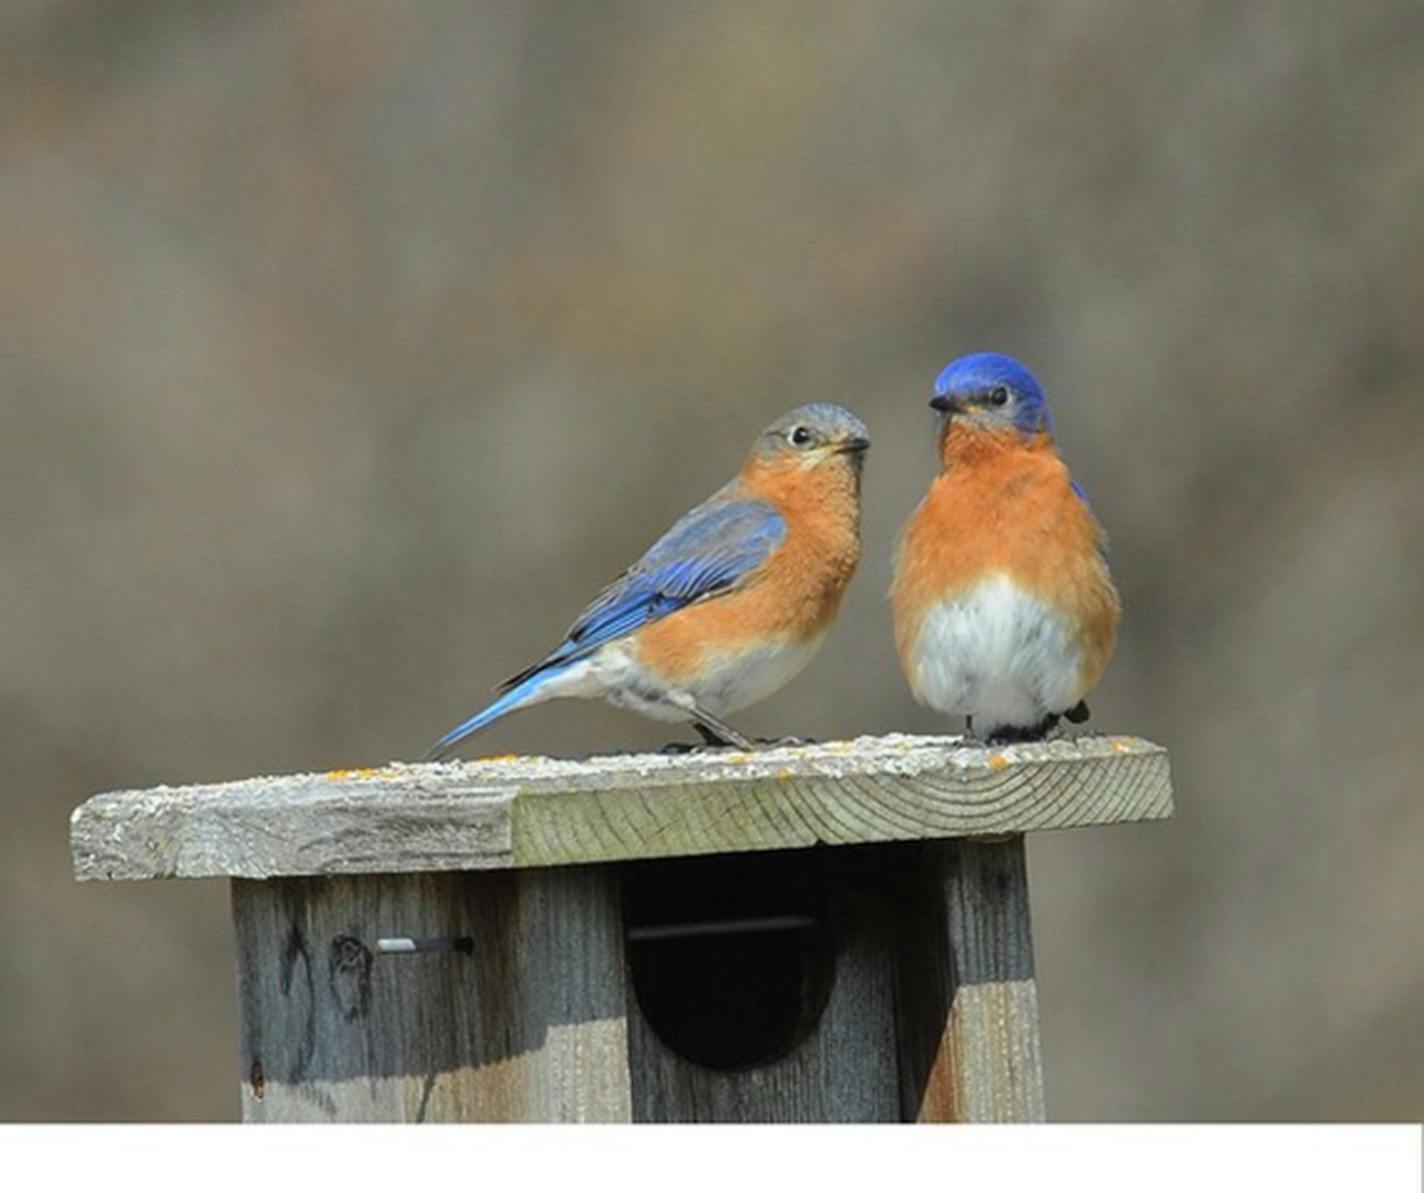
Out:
{"x": 711, "y": 550}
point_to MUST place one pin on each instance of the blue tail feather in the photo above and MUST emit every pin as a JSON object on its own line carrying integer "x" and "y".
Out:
{"x": 512, "y": 699}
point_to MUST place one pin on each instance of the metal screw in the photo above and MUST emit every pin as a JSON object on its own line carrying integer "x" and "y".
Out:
{"x": 425, "y": 944}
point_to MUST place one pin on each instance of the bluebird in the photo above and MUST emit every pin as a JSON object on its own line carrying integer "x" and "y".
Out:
{"x": 730, "y": 603}
{"x": 1004, "y": 610}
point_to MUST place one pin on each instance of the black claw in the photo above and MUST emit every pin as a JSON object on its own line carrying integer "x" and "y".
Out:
{"x": 679, "y": 747}
{"x": 1078, "y": 713}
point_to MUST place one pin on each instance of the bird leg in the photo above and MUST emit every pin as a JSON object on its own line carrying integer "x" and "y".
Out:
{"x": 1078, "y": 713}
{"x": 709, "y": 736}
{"x": 716, "y": 732}
{"x": 710, "y": 741}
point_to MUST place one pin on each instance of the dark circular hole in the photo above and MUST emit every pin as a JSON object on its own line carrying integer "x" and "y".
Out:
{"x": 732, "y": 957}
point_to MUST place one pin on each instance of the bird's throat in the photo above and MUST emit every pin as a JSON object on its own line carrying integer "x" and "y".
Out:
{"x": 964, "y": 444}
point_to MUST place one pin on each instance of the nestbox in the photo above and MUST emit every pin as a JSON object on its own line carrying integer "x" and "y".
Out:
{"x": 830, "y": 933}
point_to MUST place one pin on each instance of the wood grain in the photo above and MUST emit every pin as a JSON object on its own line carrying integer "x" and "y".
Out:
{"x": 965, "y": 1014}
{"x": 927, "y": 1011}
{"x": 520, "y": 812}
{"x": 917, "y": 1001}
{"x": 527, "y": 1027}
{"x": 990, "y": 1050}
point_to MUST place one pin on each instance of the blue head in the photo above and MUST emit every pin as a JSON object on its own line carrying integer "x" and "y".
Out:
{"x": 994, "y": 392}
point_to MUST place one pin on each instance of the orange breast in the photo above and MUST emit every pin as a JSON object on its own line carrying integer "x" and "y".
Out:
{"x": 796, "y": 593}
{"x": 1003, "y": 505}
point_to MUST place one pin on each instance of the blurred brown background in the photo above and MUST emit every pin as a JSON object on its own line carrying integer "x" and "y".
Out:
{"x": 346, "y": 349}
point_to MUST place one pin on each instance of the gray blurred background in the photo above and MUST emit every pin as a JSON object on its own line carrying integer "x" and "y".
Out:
{"x": 347, "y": 348}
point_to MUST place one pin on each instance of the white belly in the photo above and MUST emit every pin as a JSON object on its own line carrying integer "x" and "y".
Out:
{"x": 997, "y": 654}
{"x": 738, "y": 681}
{"x": 727, "y": 684}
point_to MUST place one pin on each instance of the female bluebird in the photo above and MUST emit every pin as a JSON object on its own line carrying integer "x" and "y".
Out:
{"x": 1004, "y": 608}
{"x": 730, "y": 603}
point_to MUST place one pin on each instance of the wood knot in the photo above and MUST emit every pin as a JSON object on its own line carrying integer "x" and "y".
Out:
{"x": 349, "y": 977}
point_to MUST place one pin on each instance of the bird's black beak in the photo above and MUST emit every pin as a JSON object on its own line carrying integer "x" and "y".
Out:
{"x": 856, "y": 445}
{"x": 946, "y": 404}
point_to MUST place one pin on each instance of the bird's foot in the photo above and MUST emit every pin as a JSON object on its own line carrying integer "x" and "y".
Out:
{"x": 785, "y": 742}
{"x": 1078, "y": 713}
{"x": 710, "y": 743}
{"x": 676, "y": 748}
{"x": 1006, "y": 735}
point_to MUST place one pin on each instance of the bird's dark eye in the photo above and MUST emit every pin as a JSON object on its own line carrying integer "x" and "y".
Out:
{"x": 998, "y": 396}
{"x": 801, "y": 436}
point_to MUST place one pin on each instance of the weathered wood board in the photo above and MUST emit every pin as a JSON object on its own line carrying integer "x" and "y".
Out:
{"x": 528, "y": 1026}
{"x": 521, "y": 812}
{"x": 929, "y": 1014}
{"x": 967, "y": 1014}
{"x": 536, "y": 885}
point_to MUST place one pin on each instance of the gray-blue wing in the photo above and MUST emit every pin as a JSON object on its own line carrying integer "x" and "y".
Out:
{"x": 710, "y": 550}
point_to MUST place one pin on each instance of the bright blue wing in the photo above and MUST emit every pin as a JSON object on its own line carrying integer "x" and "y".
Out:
{"x": 708, "y": 551}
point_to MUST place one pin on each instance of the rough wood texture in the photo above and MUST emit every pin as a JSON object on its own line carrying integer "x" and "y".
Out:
{"x": 908, "y": 995}
{"x": 527, "y": 1027}
{"x": 927, "y": 1014}
{"x": 505, "y": 813}
{"x": 967, "y": 1014}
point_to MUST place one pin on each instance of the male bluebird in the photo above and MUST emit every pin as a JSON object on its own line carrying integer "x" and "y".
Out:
{"x": 730, "y": 603}
{"x": 1004, "y": 608}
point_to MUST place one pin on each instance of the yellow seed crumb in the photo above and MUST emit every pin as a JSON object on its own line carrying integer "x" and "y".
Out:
{"x": 360, "y": 772}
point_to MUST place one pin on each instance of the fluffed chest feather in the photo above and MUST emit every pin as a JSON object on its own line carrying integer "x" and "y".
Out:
{"x": 997, "y": 652}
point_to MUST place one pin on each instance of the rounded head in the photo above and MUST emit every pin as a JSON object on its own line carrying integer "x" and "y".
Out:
{"x": 993, "y": 391}
{"x": 815, "y": 432}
